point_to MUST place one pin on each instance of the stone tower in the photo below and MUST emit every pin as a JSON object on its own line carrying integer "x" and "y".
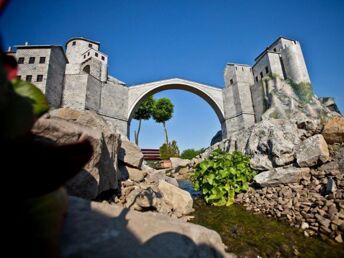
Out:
{"x": 238, "y": 108}
{"x": 85, "y": 57}
{"x": 283, "y": 58}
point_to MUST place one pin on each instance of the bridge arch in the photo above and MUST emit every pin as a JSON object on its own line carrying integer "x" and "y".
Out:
{"x": 212, "y": 95}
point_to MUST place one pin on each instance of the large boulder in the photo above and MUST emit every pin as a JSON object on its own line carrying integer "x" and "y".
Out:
{"x": 178, "y": 162}
{"x": 100, "y": 176}
{"x": 280, "y": 176}
{"x": 133, "y": 174}
{"x": 130, "y": 153}
{"x": 261, "y": 162}
{"x": 102, "y": 230}
{"x": 275, "y": 139}
{"x": 334, "y": 130}
{"x": 313, "y": 151}
{"x": 180, "y": 200}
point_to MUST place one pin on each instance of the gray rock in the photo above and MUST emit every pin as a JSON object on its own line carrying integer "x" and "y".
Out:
{"x": 275, "y": 139}
{"x": 101, "y": 174}
{"x": 158, "y": 175}
{"x": 261, "y": 162}
{"x": 330, "y": 186}
{"x": 102, "y": 230}
{"x": 130, "y": 154}
{"x": 309, "y": 126}
{"x": 280, "y": 176}
{"x": 178, "y": 162}
{"x": 312, "y": 151}
{"x": 133, "y": 174}
{"x": 180, "y": 200}
{"x": 140, "y": 199}
{"x": 304, "y": 225}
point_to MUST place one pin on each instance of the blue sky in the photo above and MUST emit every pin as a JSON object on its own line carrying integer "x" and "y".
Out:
{"x": 154, "y": 40}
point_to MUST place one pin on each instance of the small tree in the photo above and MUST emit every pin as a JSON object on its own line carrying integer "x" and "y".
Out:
{"x": 191, "y": 153}
{"x": 144, "y": 112}
{"x": 169, "y": 150}
{"x": 162, "y": 112}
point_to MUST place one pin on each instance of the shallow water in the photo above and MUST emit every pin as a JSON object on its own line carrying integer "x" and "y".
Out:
{"x": 252, "y": 235}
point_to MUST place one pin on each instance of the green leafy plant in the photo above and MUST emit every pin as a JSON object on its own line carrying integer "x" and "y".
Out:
{"x": 221, "y": 176}
{"x": 169, "y": 150}
{"x": 191, "y": 153}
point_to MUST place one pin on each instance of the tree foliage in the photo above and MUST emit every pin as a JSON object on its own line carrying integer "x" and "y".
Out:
{"x": 144, "y": 112}
{"x": 169, "y": 150}
{"x": 162, "y": 112}
{"x": 221, "y": 176}
{"x": 191, "y": 153}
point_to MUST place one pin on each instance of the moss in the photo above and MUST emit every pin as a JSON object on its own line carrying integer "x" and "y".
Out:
{"x": 275, "y": 115}
{"x": 250, "y": 235}
{"x": 274, "y": 76}
{"x": 303, "y": 90}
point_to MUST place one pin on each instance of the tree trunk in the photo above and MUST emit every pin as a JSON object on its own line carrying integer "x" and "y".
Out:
{"x": 137, "y": 134}
{"x": 165, "y": 129}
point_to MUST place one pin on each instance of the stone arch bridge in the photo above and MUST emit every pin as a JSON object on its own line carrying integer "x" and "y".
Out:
{"x": 117, "y": 104}
{"x": 212, "y": 95}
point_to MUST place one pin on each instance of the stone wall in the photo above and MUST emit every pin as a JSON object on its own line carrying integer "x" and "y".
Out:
{"x": 114, "y": 105}
{"x": 54, "y": 86}
{"x": 36, "y": 68}
{"x": 93, "y": 93}
{"x": 75, "y": 88}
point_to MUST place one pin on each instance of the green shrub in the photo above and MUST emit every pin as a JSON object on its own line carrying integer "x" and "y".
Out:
{"x": 303, "y": 90}
{"x": 169, "y": 150}
{"x": 221, "y": 176}
{"x": 191, "y": 153}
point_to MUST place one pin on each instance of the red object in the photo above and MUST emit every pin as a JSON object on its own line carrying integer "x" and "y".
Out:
{"x": 11, "y": 72}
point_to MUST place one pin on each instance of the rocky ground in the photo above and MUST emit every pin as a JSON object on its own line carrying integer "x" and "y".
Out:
{"x": 315, "y": 203}
{"x": 299, "y": 163}
{"x": 300, "y": 173}
{"x": 119, "y": 206}
{"x": 94, "y": 229}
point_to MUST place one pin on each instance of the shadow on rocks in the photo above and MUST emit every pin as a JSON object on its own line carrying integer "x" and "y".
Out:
{"x": 89, "y": 233}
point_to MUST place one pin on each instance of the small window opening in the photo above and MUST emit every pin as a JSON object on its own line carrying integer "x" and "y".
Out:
{"x": 39, "y": 77}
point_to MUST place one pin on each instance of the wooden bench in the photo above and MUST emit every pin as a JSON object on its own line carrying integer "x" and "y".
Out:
{"x": 151, "y": 154}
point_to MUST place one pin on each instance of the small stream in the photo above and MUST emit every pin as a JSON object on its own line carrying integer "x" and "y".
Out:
{"x": 252, "y": 235}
